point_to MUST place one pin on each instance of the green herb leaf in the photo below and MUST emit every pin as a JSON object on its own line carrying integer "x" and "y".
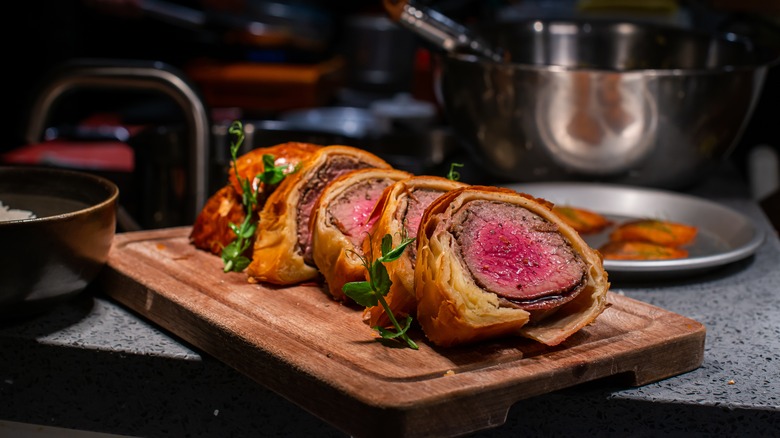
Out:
{"x": 268, "y": 161}
{"x": 272, "y": 174}
{"x": 372, "y": 292}
{"x": 393, "y": 254}
{"x": 248, "y": 232}
{"x": 453, "y": 174}
{"x": 361, "y": 292}
{"x": 232, "y": 257}
{"x": 387, "y": 244}
{"x": 380, "y": 279}
{"x": 241, "y": 263}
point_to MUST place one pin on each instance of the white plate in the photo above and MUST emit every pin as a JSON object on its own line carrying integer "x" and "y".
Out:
{"x": 724, "y": 235}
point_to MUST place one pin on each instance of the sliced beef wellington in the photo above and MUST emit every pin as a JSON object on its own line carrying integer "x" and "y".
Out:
{"x": 341, "y": 222}
{"x": 493, "y": 262}
{"x": 211, "y": 230}
{"x": 282, "y": 251}
{"x": 398, "y": 213}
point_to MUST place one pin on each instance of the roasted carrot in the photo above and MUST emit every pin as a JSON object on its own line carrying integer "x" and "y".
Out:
{"x": 626, "y": 250}
{"x": 655, "y": 231}
{"x": 582, "y": 220}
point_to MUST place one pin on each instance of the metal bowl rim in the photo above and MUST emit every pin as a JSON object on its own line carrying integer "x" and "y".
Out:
{"x": 657, "y": 72}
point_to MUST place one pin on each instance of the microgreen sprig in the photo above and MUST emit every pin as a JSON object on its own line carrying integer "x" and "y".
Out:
{"x": 453, "y": 174}
{"x": 372, "y": 292}
{"x": 233, "y": 256}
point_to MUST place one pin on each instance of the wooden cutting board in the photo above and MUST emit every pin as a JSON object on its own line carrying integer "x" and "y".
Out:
{"x": 319, "y": 354}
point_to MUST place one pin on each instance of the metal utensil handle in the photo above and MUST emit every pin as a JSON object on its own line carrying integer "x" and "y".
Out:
{"x": 439, "y": 30}
{"x": 134, "y": 75}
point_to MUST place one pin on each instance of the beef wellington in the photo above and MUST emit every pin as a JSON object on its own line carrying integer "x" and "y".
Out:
{"x": 282, "y": 251}
{"x": 211, "y": 230}
{"x": 492, "y": 262}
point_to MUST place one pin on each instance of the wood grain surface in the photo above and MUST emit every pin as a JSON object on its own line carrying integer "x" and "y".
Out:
{"x": 319, "y": 354}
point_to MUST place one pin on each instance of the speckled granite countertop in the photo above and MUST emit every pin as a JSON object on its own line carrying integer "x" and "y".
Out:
{"x": 92, "y": 365}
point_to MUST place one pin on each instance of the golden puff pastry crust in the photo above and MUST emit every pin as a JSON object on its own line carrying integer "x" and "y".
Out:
{"x": 341, "y": 222}
{"x": 399, "y": 212}
{"x": 211, "y": 230}
{"x": 493, "y": 262}
{"x": 251, "y": 164}
{"x": 282, "y": 250}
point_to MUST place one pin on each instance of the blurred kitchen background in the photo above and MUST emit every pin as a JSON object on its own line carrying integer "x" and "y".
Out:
{"x": 142, "y": 91}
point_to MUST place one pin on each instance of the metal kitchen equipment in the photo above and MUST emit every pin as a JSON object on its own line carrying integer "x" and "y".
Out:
{"x": 142, "y": 76}
{"x": 440, "y": 30}
{"x": 604, "y": 100}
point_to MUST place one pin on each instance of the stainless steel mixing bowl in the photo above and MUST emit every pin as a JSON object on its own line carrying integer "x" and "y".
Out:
{"x": 610, "y": 101}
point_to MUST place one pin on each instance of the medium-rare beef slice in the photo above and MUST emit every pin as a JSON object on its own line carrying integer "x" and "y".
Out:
{"x": 416, "y": 203}
{"x": 517, "y": 255}
{"x": 351, "y": 212}
{"x": 330, "y": 170}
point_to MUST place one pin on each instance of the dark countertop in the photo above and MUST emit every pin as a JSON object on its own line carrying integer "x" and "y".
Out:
{"x": 90, "y": 364}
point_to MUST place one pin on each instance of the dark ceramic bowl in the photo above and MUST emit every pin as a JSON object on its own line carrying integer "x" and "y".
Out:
{"x": 55, "y": 255}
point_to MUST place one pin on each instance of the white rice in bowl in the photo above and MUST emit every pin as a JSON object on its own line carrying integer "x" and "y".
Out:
{"x": 11, "y": 214}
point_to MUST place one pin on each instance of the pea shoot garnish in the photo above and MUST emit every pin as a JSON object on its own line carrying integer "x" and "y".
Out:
{"x": 233, "y": 256}
{"x": 453, "y": 174}
{"x": 372, "y": 292}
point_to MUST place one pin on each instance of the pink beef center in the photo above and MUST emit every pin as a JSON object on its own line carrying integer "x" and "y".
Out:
{"x": 351, "y": 212}
{"x": 330, "y": 170}
{"x": 516, "y": 253}
{"x": 417, "y": 202}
